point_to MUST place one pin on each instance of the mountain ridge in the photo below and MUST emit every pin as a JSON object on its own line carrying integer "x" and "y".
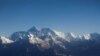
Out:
{"x": 51, "y": 41}
{"x": 48, "y": 33}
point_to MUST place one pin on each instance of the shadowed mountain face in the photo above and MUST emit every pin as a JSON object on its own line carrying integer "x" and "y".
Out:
{"x": 47, "y": 42}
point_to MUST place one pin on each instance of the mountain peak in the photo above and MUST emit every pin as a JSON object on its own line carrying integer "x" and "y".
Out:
{"x": 33, "y": 29}
{"x": 47, "y": 31}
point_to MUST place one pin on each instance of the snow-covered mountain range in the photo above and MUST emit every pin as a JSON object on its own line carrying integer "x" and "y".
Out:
{"x": 45, "y": 39}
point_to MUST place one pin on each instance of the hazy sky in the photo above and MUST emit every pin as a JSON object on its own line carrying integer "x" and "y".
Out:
{"x": 78, "y": 16}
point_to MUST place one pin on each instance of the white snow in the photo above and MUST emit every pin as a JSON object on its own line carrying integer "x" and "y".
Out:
{"x": 5, "y": 40}
{"x": 60, "y": 34}
{"x": 87, "y": 36}
{"x": 72, "y": 35}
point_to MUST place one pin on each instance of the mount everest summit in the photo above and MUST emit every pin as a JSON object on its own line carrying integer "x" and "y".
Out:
{"x": 48, "y": 42}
